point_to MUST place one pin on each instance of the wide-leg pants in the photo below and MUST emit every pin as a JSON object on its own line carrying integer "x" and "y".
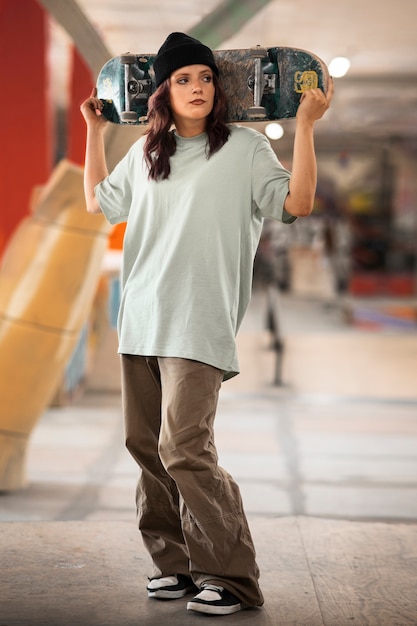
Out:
{"x": 189, "y": 509}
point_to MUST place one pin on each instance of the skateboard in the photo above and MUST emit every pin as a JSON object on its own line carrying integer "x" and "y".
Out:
{"x": 260, "y": 83}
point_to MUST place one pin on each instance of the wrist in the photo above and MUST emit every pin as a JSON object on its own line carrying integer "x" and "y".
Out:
{"x": 96, "y": 127}
{"x": 305, "y": 123}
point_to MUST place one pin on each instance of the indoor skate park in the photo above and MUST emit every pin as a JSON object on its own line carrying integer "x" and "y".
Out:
{"x": 320, "y": 427}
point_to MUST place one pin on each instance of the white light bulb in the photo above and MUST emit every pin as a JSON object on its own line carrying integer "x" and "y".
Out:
{"x": 274, "y": 130}
{"x": 339, "y": 66}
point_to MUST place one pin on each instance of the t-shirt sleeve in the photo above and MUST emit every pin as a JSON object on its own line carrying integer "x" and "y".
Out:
{"x": 114, "y": 193}
{"x": 270, "y": 183}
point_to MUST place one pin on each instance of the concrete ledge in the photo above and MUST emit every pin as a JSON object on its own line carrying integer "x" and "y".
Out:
{"x": 314, "y": 572}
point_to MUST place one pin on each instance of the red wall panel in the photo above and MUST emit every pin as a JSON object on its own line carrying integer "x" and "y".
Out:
{"x": 25, "y": 119}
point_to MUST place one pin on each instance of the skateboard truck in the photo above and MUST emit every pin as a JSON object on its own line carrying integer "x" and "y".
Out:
{"x": 133, "y": 89}
{"x": 257, "y": 83}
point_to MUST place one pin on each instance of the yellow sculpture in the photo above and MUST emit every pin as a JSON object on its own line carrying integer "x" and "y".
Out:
{"x": 48, "y": 280}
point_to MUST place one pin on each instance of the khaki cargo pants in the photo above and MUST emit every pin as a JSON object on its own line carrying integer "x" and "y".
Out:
{"x": 190, "y": 511}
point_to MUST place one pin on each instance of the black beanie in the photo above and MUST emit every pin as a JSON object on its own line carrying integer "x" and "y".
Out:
{"x": 179, "y": 50}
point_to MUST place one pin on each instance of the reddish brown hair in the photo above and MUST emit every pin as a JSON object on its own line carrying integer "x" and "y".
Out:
{"x": 160, "y": 143}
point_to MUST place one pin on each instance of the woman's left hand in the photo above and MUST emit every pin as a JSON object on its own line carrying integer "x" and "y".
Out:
{"x": 314, "y": 103}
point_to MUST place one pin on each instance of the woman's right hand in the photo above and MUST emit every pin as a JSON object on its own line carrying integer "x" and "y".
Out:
{"x": 91, "y": 110}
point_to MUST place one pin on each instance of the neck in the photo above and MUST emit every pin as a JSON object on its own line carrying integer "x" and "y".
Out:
{"x": 190, "y": 128}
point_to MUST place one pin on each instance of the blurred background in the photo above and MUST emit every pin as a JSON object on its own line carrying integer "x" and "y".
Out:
{"x": 323, "y": 419}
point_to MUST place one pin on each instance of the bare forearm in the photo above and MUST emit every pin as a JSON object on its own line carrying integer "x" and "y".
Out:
{"x": 95, "y": 158}
{"x": 95, "y": 167}
{"x": 300, "y": 200}
{"x": 303, "y": 180}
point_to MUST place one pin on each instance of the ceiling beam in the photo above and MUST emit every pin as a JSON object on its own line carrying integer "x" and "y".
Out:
{"x": 85, "y": 37}
{"x": 95, "y": 53}
{"x": 226, "y": 20}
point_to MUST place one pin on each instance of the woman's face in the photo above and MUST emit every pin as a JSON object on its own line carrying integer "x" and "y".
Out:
{"x": 192, "y": 95}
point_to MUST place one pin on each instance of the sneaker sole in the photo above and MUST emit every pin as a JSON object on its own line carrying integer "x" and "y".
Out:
{"x": 211, "y": 609}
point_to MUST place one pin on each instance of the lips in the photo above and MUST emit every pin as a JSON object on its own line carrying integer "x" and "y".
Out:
{"x": 198, "y": 101}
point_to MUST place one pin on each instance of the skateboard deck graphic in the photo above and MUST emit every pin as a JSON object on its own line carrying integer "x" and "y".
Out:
{"x": 260, "y": 84}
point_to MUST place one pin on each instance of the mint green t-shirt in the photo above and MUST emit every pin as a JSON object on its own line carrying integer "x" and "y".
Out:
{"x": 190, "y": 243}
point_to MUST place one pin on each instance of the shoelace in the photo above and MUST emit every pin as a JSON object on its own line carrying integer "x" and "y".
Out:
{"x": 165, "y": 581}
{"x": 210, "y": 593}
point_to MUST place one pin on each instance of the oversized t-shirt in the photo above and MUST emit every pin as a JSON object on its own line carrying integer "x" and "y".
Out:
{"x": 190, "y": 243}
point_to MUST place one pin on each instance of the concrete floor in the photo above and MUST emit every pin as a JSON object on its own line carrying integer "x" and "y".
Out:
{"x": 314, "y": 572}
{"x": 337, "y": 440}
{"x": 328, "y": 442}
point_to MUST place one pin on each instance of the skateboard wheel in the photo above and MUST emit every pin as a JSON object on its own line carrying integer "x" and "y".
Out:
{"x": 257, "y": 52}
{"x": 259, "y": 112}
{"x": 128, "y": 59}
{"x": 128, "y": 117}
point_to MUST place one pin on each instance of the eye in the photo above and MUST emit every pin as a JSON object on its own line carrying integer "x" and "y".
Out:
{"x": 182, "y": 81}
{"x": 208, "y": 78}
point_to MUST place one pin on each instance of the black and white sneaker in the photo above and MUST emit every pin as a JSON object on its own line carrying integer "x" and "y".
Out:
{"x": 170, "y": 587}
{"x": 214, "y": 600}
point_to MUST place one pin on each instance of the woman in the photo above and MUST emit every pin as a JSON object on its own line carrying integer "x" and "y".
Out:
{"x": 194, "y": 199}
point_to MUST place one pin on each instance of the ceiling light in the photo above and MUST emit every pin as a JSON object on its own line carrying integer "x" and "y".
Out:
{"x": 339, "y": 66}
{"x": 274, "y": 130}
